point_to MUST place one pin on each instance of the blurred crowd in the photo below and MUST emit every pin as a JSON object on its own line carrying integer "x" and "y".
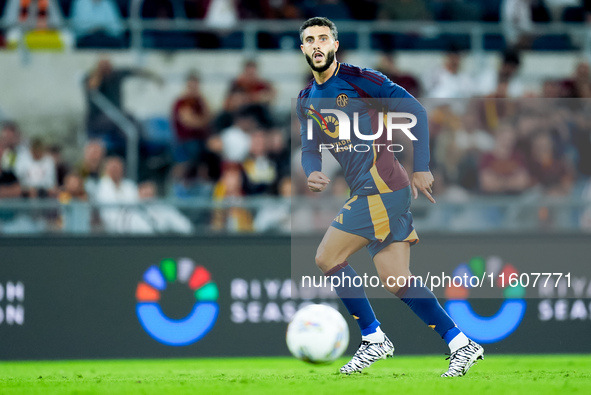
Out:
{"x": 102, "y": 23}
{"x": 492, "y": 133}
{"x": 493, "y": 136}
{"x": 490, "y": 136}
{"x": 240, "y": 150}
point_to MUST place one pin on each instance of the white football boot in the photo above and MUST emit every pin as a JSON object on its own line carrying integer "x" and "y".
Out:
{"x": 463, "y": 358}
{"x": 367, "y": 354}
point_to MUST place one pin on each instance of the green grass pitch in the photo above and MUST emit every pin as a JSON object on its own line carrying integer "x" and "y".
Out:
{"x": 497, "y": 374}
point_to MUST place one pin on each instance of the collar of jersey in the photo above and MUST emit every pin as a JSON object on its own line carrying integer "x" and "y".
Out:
{"x": 328, "y": 81}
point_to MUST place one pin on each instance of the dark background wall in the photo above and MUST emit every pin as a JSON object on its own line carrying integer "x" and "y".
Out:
{"x": 75, "y": 297}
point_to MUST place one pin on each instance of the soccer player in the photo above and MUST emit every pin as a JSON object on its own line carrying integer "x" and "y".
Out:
{"x": 377, "y": 215}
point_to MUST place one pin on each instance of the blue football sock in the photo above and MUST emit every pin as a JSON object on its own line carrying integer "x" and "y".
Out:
{"x": 425, "y": 305}
{"x": 353, "y": 297}
{"x": 451, "y": 334}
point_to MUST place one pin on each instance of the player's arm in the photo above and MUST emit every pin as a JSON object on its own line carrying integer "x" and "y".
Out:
{"x": 317, "y": 181}
{"x": 312, "y": 164}
{"x": 311, "y": 156}
{"x": 399, "y": 100}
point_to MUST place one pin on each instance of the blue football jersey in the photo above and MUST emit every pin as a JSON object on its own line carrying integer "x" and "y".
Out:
{"x": 369, "y": 166}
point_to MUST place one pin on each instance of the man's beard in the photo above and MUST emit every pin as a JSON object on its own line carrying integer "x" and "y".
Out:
{"x": 319, "y": 69}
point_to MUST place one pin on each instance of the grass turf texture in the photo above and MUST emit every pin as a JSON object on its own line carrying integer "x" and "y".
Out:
{"x": 497, "y": 374}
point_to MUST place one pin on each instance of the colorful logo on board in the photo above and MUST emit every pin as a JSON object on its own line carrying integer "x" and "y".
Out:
{"x": 509, "y": 316}
{"x": 203, "y": 315}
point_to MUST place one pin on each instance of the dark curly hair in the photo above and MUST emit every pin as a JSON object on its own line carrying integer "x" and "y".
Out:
{"x": 319, "y": 21}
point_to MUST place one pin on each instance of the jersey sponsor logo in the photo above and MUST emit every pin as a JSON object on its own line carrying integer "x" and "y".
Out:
{"x": 338, "y": 124}
{"x": 342, "y": 100}
{"x": 329, "y": 124}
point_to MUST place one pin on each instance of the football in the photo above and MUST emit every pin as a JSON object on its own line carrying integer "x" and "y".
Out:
{"x": 317, "y": 334}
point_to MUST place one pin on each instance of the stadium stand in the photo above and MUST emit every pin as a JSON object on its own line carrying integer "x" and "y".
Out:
{"x": 267, "y": 33}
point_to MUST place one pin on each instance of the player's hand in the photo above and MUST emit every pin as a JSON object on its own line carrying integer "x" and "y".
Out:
{"x": 317, "y": 181}
{"x": 422, "y": 181}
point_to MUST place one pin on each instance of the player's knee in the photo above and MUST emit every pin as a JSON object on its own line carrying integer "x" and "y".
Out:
{"x": 320, "y": 261}
{"x": 394, "y": 283}
{"x": 323, "y": 262}
{"x": 393, "y": 289}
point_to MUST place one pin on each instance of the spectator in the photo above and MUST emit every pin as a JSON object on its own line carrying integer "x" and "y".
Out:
{"x": 97, "y": 23}
{"x": 493, "y": 111}
{"x": 74, "y": 218}
{"x": 552, "y": 89}
{"x": 40, "y": 14}
{"x": 517, "y": 22}
{"x": 235, "y": 101}
{"x": 553, "y": 174}
{"x": 234, "y": 141}
{"x": 257, "y": 90}
{"x": 163, "y": 217}
{"x": 471, "y": 138}
{"x": 107, "y": 81}
{"x": 61, "y": 167}
{"x": 387, "y": 66}
{"x": 10, "y": 139}
{"x": 221, "y": 14}
{"x": 556, "y": 8}
{"x": 9, "y": 189}
{"x": 554, "y": 177}
{"x": 113, "y": 189}
{"x": 459, "y": 152}
{"x": 279, "y": 153}
{"x": 191, "y": 180}
{"x": 72, "y": 189}
{"x": 30, "y": 17}
{"x": 230, "y": 188}
{"x": 259, "y": 169}
{"x": 579, "y": 85}
{"x": 90, "y": 167}
{"x": 505, "y": 79}
{"x": 9, "y": 185}
{"x": 447, "y": 80}
{"x": 36, "y": 172}
{"x": 284, "y": 9}
{"x": 503, "y": 171}
{"x": 526, "y": 127}
{"x": 191, "y": 117}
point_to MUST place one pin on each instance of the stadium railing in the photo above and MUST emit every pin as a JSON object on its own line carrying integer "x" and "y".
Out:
{"x": 477, "y": 36}
{"x": 361, "y": 32}
{"x": 132, "y": 134}
{"x": 529, "y": 212}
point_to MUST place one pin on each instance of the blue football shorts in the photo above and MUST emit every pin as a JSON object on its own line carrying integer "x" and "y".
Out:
{"x": 382, "y": 219}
